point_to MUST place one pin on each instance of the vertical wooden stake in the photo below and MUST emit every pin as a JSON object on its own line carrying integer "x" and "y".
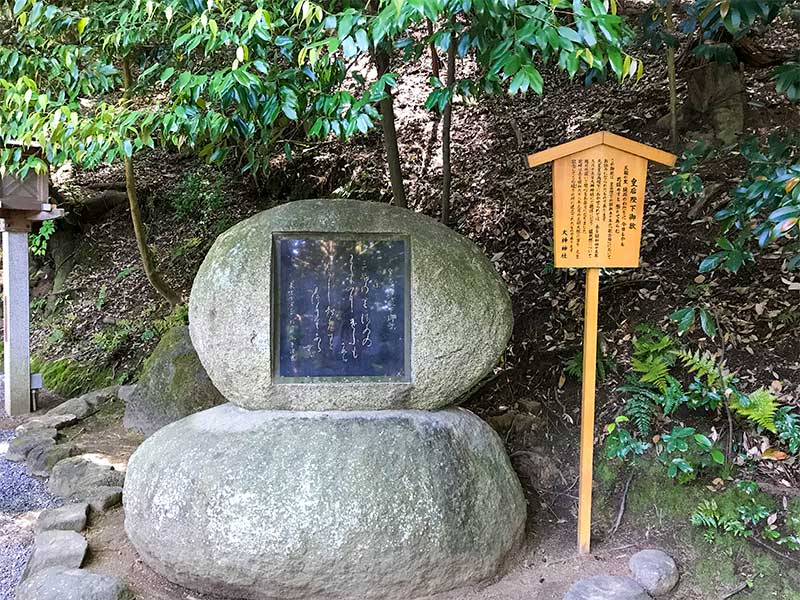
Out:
{"x": 587, "y": 409}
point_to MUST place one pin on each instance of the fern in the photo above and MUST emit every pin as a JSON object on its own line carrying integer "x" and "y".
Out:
{"x": 673, "y": 396}
{"x": 653, "y": 355}
{"x": 641, "y": 410}
{"x": 652, "y": 370}
{"x": 704, "y": 364}
{"x": 760, "y": 407}
{"x": 706, "y": 515}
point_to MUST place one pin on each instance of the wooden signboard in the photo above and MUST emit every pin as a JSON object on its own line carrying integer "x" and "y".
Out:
{"x": 598, "y": 209}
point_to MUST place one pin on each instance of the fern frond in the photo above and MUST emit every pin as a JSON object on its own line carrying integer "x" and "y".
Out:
{"x": 704, "y": 364}
{"x": 652, "y": 370}
{"x": 759, "y": 406}
{"x": 641, "y": 409}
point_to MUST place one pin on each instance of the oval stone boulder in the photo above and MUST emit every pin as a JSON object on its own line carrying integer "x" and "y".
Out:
{"x": 345, "y": 504}
{"x": 389, "y": 310}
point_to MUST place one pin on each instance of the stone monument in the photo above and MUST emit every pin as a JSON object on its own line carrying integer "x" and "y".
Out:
{"x": 343, "y": 334}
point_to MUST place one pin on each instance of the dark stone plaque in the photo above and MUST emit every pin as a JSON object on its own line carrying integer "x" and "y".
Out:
{"x": 342, "y": 307}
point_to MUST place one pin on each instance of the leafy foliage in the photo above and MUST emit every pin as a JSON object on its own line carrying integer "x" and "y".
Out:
{"x": 704, "y": 364}
{"x": 762, "y": 210}
{"x": 759, "y": 406}
{"x": 620, "y": 443}
{"x": 685, "y": 318}
{"x": 787, "y": 424}
{"x": 653, "y": 356}
{"x": 743, "y": 517}
{"x": 605, "y": 364}
{"x": 37, "y": 241}
{"x": 787, "y": 80}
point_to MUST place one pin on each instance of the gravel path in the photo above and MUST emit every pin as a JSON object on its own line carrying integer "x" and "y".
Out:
{"x": 22, "y": 496}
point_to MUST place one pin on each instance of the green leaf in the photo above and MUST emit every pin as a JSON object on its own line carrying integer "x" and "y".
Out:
{"x": 708, "y": 323}
{"x": 709, "y": 263}
{"x": 717, "y": 456}
{"x": 570, "y": 34}
{"x": 166, "y": 74}
{"x": 684, "y": 317}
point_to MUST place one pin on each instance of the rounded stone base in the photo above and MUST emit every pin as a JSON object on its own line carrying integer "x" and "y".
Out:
{"x": 281, "y": 504}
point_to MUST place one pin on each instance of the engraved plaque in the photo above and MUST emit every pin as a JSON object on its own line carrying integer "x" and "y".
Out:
{"x": 342, "y": 307}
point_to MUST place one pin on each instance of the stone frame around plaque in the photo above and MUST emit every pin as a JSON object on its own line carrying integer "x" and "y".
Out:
{"x": 278, "y": 310}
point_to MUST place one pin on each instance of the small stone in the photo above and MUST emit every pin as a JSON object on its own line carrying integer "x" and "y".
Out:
{"x": 655, "y": 570}
{"x": 56, "y": 549}
{"x": 23, "y": 443}
{"x": 42, "y": 459}
{"x": 47, "y": 422}
{"x": 606, "y": 587}
{"x": 71, "y": 517}
{"x": 57, "y": 583}
{"x": 86, "y": 405}
{"x": 102, "y": 498}
{"x": 72, "y": 476}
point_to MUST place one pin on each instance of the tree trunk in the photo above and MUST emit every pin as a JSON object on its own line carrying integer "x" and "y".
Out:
{"x": 153, "y": 276}
{"x": 390, "y": 134}
{"x": 447, "y": 119}
{"x": 673, "y": 88}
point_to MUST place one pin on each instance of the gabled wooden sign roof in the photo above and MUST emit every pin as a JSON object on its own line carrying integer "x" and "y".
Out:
{"x": 602, "y": 138}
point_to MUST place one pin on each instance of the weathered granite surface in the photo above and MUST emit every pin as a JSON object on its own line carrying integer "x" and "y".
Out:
{"x": 348, "y": 504}
{"x": 460, "y": 311}
{"x": 173, "y": 385}
{"x": 59, "y": 583}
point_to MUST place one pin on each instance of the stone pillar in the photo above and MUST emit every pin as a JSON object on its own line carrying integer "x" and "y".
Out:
{"x": 16, "y": 315}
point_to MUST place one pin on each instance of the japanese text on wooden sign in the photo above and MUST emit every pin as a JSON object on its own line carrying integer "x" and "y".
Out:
{"x": 598, "y": 204}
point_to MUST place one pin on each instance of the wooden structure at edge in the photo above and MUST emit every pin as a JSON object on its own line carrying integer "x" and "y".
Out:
{"x": 23, "y": 201}
{"x": 596, "y": 151}
{"x": 598, "y": 199}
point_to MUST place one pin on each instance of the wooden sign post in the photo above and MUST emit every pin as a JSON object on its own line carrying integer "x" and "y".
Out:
{"x": 598, "y": 205}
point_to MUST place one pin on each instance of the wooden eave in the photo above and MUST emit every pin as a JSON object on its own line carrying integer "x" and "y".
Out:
{"x": 602, "y": 138}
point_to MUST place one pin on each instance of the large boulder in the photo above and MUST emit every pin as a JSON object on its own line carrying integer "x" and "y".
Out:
{"x": 457, "y": 313}
{"x": 173, "y": 385}
{"x": 351, "y": 504}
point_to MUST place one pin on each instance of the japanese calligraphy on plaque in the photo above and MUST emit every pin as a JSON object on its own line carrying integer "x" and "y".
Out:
{"x": 598, "y": 199}
{"x": 343, "y": 307}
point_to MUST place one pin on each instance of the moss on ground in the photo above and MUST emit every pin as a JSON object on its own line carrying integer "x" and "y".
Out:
{"x": 69, "y": 378}
{"x": 657, "y": 504}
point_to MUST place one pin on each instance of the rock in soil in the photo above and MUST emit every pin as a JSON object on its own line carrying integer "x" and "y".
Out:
{"x": 74, "y": 476}
{"x": 655, "y": 571}
{"x": 71, "y": 517}
{"x": 47, "y": 422}
{"x": 606, "y": 587}
{"x": 58, "y": 583}
{"x": 56, "y": 549}
{"x": 102, "y": 497}
{"x": 23, "y": 443}
{"x": 86, "y": 405}
{"x": 384, "y": 504}
{"x": 42, "y": 459}
{"x": 173, "y": 385}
